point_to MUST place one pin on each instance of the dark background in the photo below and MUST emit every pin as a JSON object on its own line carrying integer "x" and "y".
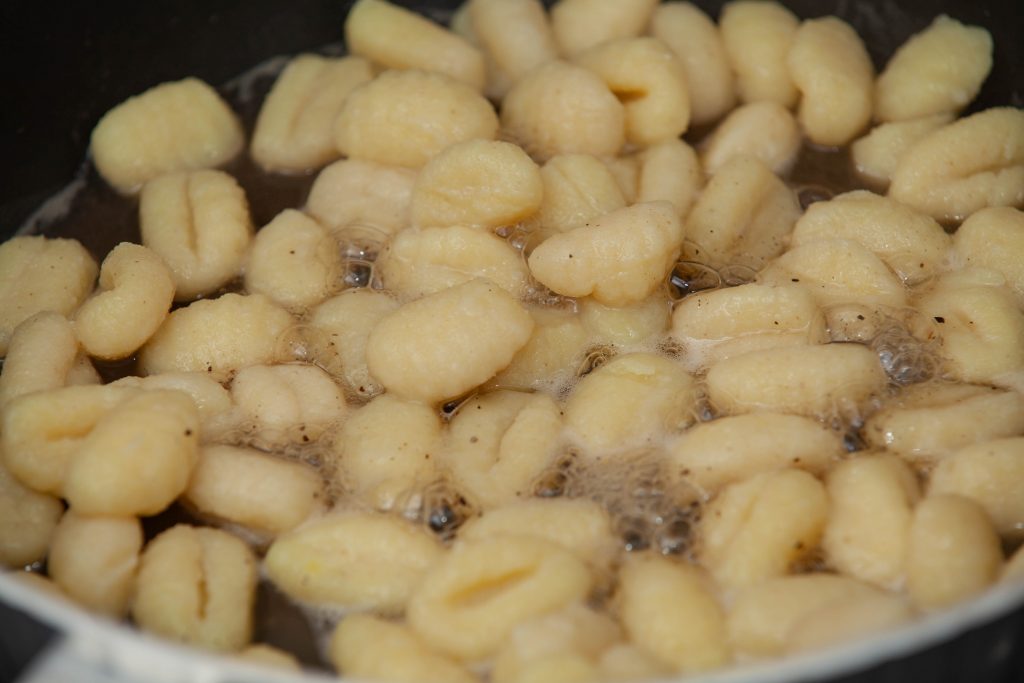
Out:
{"x": 65, "y": 64}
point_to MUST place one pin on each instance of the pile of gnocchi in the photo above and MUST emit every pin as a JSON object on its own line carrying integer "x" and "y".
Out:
{"x": 533, "y": 387}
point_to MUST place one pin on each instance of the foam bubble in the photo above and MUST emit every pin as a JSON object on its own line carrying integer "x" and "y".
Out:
{"x": 648, "y": 508}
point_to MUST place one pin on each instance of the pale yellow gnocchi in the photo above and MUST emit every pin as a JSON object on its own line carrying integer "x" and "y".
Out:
{"x": 538, "y": 384}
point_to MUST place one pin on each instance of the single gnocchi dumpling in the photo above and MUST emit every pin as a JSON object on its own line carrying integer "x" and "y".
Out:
{"x": 758, "y": 37}
{"x": 561, "y": 108}
{"x": 441, "y": 346}
{"x": 291, "y": 403}
{"x": 43, "y": 354}
{"x": 398, "y": 38}
{"x": 515, "y": 35}
{"x": 470, "y": 601}
{"x": 743, "y": 217}
{"x": 551, "y": 356}
{"x": 649, "y": 81}
{"x": 370, "y": 648}
{"x": 816, "y": 380}
{"x": 970, "y": 164}
{"x": 991, "y": 474}
{"x": 198, "y": 223}
{"x": 556, "y": 646}
{"x": 41, "y": 274}
{"x": 498, "y": 444}
{"x": 695, "y": 40}
{"x": 618, "y": 259}
{"x": 294, "y": 261}
{"x": 937, "y": 71}
{"x": 295, "y": 128}
{"x": 669, "y": 171}
{"x": 197, "y": 586}
{"x": 632, "y": 401}
{"x": 980, "y": 326}
{"x": 832, "y": 69}
{"x": 723, "y": 323}
{"x": 27, "y": 521}
{"x": 403, "y": 118}
{"x": 481, "y": 183}
{"x": 497, "y": 81}
{"x": 387, "y": 451}
{"x": 356, "y": 560}
{"x": 954, "y": 551}
{"x": 260, "y": 492}
{"x": 765, "y": 130}
{"x": 353, "y": 192}
{"x": 216, "y": 336}
{"x": 714, "y": 454}
{"x": 838, "y": 271}
{"x": 871, "y": 499}
{"x": 135, "y": 293}
{"x": 338, "y": 334}
{"x": 581, "y": 24}
{"x": 909, "y": 242}
{"x": 579, "y": 525}
{"x": 94, "y": 559}
{"x": 669, "y": 610}
{"x": 994, "y": 238}
{"x": 756, "y": 529}
{"x": 178, "y": 126}
{"x": 138, "y": 457}
{"x": 628, "y": 326}
{"x": 930, "y": 421}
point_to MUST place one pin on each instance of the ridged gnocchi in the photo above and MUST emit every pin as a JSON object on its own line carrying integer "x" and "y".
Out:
{"x": 552, "y": 364}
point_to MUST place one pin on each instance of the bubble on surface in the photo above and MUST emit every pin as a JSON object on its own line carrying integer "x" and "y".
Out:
{"x": 903, "y": 340}
{"x": 441, "y": 507}
{"x": 690, "y": 277}
{"x": 735, "y": 274}
{"x": 360, "y": 245}
{"x": 594, "y": 358}
{"x": 905, "y": 359}
{"x": 648, "y": 508}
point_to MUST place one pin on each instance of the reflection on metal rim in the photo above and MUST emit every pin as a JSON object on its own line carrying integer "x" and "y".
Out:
{"x": 128, "y": 655}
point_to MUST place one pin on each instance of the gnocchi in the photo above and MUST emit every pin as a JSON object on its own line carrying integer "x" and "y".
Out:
{"x": 198, "y": 222}
{"x": 405, "y": 117}
{"x": 197, "y": 585}
{"x": 374, "y": 561}
{"x": 568, "y": 369}
{"x": 619, "y": 259}
{"x": 136, "y": 291}
{"x": 294, "y": 131}
{"x": 471, "y": 353}
{"x": 179, "y": 126}
{"x": 41, "y": 274}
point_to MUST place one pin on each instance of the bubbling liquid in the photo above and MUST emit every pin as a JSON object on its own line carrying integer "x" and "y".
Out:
{"x": 649, "y": 509}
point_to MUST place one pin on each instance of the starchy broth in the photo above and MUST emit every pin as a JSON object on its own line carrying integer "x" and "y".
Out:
{"x": 612, "y": 372}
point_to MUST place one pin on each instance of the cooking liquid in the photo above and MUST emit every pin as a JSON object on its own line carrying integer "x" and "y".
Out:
{"x": 646, "y": 511}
